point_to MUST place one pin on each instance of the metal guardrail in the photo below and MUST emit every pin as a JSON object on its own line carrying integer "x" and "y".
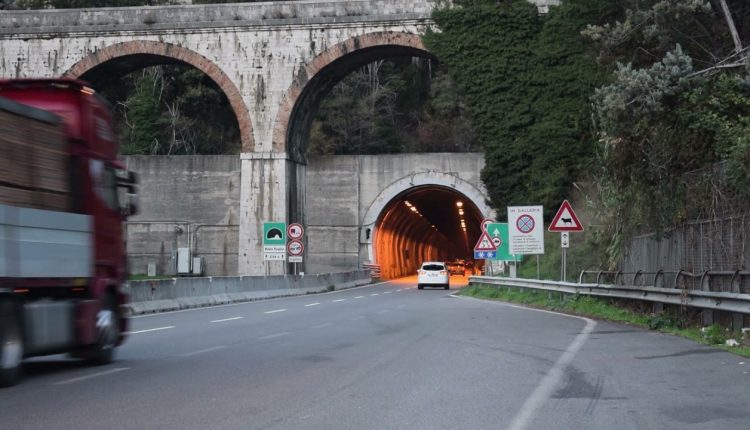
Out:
{"x": 710, "y": 300}
{"x": 705, "y": 281}
{"x": 373, "y": 268}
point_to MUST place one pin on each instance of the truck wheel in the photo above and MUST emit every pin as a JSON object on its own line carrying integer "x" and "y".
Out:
{"x": 11, "y": 343}
{"x": 107, "y": 333}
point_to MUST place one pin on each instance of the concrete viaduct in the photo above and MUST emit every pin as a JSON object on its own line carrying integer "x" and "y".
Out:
{"x": 275, "y": 62}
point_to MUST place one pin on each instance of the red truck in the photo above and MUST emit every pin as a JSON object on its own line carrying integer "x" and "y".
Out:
{"x": 63, "y": 199}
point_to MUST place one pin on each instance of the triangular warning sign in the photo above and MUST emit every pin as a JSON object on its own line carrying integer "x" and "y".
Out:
{"x": 484, "y": 243}
{"x": 565, "y": 219}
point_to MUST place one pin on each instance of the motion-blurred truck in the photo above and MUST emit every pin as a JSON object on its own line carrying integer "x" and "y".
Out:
{"x": 63, "y": 199}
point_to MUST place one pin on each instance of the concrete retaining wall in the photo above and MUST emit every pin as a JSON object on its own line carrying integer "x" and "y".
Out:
{"x": 183, "y": 293}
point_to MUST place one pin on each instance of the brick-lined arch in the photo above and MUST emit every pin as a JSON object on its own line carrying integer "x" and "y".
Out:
{"x": 370, "y": 40}
{"x": 179, "y": 53}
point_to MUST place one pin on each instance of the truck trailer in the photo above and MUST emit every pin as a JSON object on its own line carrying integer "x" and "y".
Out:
{"x": 63, "y": 199}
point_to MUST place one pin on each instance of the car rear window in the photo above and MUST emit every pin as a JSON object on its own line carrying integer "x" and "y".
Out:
{"x": 433, "y": 267}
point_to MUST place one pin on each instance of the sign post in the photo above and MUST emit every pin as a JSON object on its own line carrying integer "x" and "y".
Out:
{"x": 295, "y": 248}
{"x": 564, "y": 222}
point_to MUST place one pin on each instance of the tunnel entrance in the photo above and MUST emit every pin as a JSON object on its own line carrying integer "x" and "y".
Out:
{"x": 425, "y": 223}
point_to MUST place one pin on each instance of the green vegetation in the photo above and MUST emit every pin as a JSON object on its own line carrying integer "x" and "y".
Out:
{"x": 171, "y": 110}
{"x": 393, "y": 106}
{"x": 610, "y": 311}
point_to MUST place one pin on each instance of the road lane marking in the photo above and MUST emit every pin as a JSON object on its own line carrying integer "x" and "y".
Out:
{"x": 150, "y": 329}
{"x": 272, "y": 336}
{"x": 387, "y": 292}
{"x": 399, "y": 290}
{"x": 227, "y": 319}
{"x": 360, "y": 297}
{"x": 275, "y": 311}
{"x": 339, "y": 300}
{"x": 202, "y": 351}
{"x": 93, "y": 375}
{"x": 376, "y": 294}
{"x": 312, "y": 304}
{"x": 322, "y": 325}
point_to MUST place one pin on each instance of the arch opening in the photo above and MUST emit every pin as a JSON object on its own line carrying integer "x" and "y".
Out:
{"x": 425, "y": 223}
{"x": 106, "y": 68}
{"x": 316, "y": 80}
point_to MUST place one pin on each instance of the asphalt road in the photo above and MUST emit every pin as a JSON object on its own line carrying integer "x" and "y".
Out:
{"x": 386, "y": 356}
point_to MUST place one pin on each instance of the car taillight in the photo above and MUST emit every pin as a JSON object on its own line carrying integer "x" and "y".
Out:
{"x": 443, "y": 272}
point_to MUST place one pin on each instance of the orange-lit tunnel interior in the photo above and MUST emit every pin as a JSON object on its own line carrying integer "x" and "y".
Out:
{"x": 428, "y": 223}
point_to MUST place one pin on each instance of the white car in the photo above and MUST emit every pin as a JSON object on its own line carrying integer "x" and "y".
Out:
{"x": 433, "y": 273}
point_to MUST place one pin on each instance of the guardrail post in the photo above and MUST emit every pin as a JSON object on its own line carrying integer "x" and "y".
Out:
{"x": 658, "y": 283}
{"x": 707, "y": 315}
{"x": 737, "y": 318}
{"x": 636, "y": 276}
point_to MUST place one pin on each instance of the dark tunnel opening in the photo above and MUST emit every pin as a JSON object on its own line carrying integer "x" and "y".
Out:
{"x": 427, "y": 223}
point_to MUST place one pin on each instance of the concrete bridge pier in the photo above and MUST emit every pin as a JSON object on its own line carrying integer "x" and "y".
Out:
{"x": 272, "y": 190}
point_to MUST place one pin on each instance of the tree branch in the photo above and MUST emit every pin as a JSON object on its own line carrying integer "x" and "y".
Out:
{"x": 730, "y": 24}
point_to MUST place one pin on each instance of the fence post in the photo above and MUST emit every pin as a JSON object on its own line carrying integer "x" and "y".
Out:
{"x": 658, "y": 307}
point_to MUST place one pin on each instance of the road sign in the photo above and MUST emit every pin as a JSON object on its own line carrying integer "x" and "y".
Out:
{"x": 484, "y": 243}
{"x": 295, "y": 249}
{"x": 274, "y": 241}
{"x": 499, "y": 234}
{"x": 565, "y": 219}
{"x": 295, "y": 231}
{"x": 565, "y": 239}
{"x": 484, "y": 255}
{"x": 486, "y": 222}
{"x": 525, "y": 231}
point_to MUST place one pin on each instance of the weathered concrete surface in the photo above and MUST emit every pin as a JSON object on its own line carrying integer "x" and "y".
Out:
{"x": 183, "y": 293}
{"x": 185, "y": 201}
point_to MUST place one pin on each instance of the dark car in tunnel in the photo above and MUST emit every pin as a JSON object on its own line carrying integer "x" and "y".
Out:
{"x": 456, "y": 267}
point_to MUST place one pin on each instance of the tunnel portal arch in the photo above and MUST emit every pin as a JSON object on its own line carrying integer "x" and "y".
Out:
{"x": 398, "y": 237}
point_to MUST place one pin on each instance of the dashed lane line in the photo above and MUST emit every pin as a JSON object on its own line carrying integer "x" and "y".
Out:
{"x": 273, "y": 336}
{"x": 150, "y": 329}
{"x": 275, "y": 311}
{"x": 203, "y": 351}
{"x": 311, "y": 304}
{"x": 93, "y": 375}
{"x": 339, "y": 300}
{"x": 227, "y": 319}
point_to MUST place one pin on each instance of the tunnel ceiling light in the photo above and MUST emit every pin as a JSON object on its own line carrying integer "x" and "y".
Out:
{"x": 406, "y": 202}
{"x": 459, "y": 203}
{"x": 413, "y": 209}
{"x": 460, "y": 211}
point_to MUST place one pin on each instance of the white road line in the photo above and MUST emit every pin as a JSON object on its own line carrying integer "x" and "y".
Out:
{"x": 312, "y": 304}
{"x": 275, "y": 311}
{"x": 339, "y": 300}
{"x": 376, "y": 294}
{"x": 322, "y": 325}
{"x": 151, "y": 329}
{"x": 543, "y": 391}
{"x": 271, "y": 336}
{"x": 399, "y": 290}
{"x": 93, "y": 375}
{"x": 387, "y": 292}
{"x": 227, "y": 319}
{"x": 360, "y": 297}
{"x": 202, "y": 351}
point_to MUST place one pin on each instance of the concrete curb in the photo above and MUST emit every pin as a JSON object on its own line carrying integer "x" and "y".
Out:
{"x": 186, "y": 293}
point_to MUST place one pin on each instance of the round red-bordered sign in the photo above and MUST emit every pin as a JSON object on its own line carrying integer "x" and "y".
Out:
{"x": 295, "y": 231}
{"x": 525, "y": 223}
{"x": 295, "y": 248}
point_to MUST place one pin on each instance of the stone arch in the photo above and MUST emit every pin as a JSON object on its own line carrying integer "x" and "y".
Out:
{"x": 397, "y": 42}
{"x": 178, "y": 53}
{"x": 423, "y": 179}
